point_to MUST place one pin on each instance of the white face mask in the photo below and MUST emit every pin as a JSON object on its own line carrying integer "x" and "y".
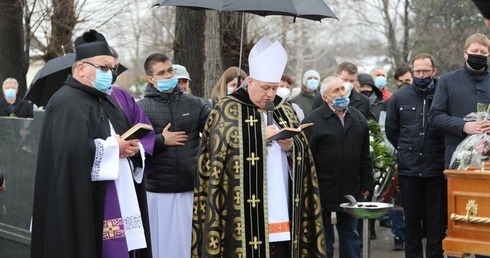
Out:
{"x": 348, "y": 88}
{"x": 283, "y": 93}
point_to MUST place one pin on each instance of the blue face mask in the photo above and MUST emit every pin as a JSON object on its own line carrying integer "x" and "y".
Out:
{"x": 423, "y": 83}
{"x": 9, "y": 93}
{"x": 103, "y": 80}
{"x": 380, "y": 82}
{"x": 312, "y": 84}
{"x": 340, "y": 102}
{"x": 167, "y": 84}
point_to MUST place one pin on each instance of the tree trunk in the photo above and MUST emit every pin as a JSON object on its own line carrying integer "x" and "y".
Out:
{"x": 189, "y": 42}
{"x": 231, "y": 29}
{"x": 13, "y": 63}
{"x": 63, "y": 22}
{"x": 212, "y": 48}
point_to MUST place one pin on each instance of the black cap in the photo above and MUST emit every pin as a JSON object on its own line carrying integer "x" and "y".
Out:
{"x": 90, "y": 44}
{"x": 365, "y": 79}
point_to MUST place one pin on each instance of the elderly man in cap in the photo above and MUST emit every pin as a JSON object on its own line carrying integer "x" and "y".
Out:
{"x": 89, "y": 198}
{"x": 183, "y": 78}
{"x": 254, "y": 197}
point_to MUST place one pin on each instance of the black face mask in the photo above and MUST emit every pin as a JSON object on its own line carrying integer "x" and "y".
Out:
{"x": 477, "y": 62}
{"x": 404, "y": 84}
{"x": 367, "y": 92}
{"x": 114, "y": 77}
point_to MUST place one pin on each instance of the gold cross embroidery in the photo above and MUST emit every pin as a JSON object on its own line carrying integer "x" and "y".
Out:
{"x": 215, "y": 173}
{"x": 111, "y": 229}
{"x": 253, "y": 201}
{"x": 253, "y": 159}
{"x": 213, "y": 243}
{"x": 234, "y": 110}
{"x": 203, "y": 207}
{"x": 236, "y": 167}
{"x": 282, "y": 122}
{"x": 296, "y": 201}
{"x": 298, "y": 158}
{"x": 207, "y": 165}
{"x": 235, "y": 136}
{"x": 251, "y": 120}
{"x": 237, "y": 197}
{"x": 255, "y": 243}
{"x": 238, "y": 228}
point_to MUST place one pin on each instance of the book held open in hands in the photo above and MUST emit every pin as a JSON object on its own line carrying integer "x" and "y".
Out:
{"x": 138, "y": 131}
{"x": 288, "y": 132}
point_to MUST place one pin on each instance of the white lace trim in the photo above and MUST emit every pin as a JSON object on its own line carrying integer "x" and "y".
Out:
{"x": 99, "y": 153}
{"x": 133, "y": 224}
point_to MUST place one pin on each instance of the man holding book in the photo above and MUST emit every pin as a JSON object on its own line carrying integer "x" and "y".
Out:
{"x": 89, "y": 199}
{"x": 254, "y": 197}
{"x": 339, "y": 141}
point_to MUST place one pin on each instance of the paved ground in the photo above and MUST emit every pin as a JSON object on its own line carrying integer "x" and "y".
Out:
{"x": 381, "y": 246}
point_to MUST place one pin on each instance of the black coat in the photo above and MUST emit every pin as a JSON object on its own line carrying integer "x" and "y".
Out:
{"x": 420, "y": 147}
{"x": 341, "y": 154}
{"x": 23, "y": 108}
{"x": 175, "y": 166}
{"x": 64, "y": 193}
{"x": 457, "y": 94}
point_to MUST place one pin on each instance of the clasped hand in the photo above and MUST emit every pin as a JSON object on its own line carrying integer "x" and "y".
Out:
{"x": 477, "y": 127}
{"x": 286, "y": 144}
{"x": 127, "y": 148}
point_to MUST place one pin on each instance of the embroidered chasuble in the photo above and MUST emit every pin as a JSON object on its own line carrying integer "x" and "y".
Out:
{"x": 230, "y": 197}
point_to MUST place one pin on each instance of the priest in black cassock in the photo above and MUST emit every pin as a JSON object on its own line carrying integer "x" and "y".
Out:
{"x": 89, "y": 197}
{"x": 253, "y": 197}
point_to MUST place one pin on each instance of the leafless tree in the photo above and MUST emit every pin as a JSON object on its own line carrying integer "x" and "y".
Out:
{"x": 12, "y": 45}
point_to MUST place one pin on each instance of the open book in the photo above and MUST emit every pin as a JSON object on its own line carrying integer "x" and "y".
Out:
{"x": 138, "y": 131}
{"x": 288, "y": 132}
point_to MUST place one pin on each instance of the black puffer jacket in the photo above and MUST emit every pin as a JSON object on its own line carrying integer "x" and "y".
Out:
{"x": 175, "y": 166}
{"x": 420, "y": 146}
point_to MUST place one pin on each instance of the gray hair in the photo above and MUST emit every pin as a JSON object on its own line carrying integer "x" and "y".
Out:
{"x": 327, "y": 82}
{"x": 8, "y": 80}
{"x": 377, "y": 68}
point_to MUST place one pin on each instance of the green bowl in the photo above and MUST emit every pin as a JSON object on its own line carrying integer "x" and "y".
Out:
{"x": 366, "y": 210}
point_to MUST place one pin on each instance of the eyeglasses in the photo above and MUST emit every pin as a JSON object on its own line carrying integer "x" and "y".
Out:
{"x": 422, "y": 72}
{"x": 101, "y": 67}
{"x": 169, "y": 72}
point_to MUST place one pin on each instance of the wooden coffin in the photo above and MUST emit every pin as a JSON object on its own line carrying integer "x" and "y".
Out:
{"x": 468, "y": 212}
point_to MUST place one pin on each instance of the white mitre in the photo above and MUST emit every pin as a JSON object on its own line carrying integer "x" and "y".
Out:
{"x": 267, "y": 61}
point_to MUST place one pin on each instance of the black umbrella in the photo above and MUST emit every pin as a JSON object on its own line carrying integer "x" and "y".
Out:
{"x": 50, "y": 78}
{"x": 308, "y": 9}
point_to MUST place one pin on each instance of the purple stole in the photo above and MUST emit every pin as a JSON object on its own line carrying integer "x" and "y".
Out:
{"x": 113, "y": 236}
